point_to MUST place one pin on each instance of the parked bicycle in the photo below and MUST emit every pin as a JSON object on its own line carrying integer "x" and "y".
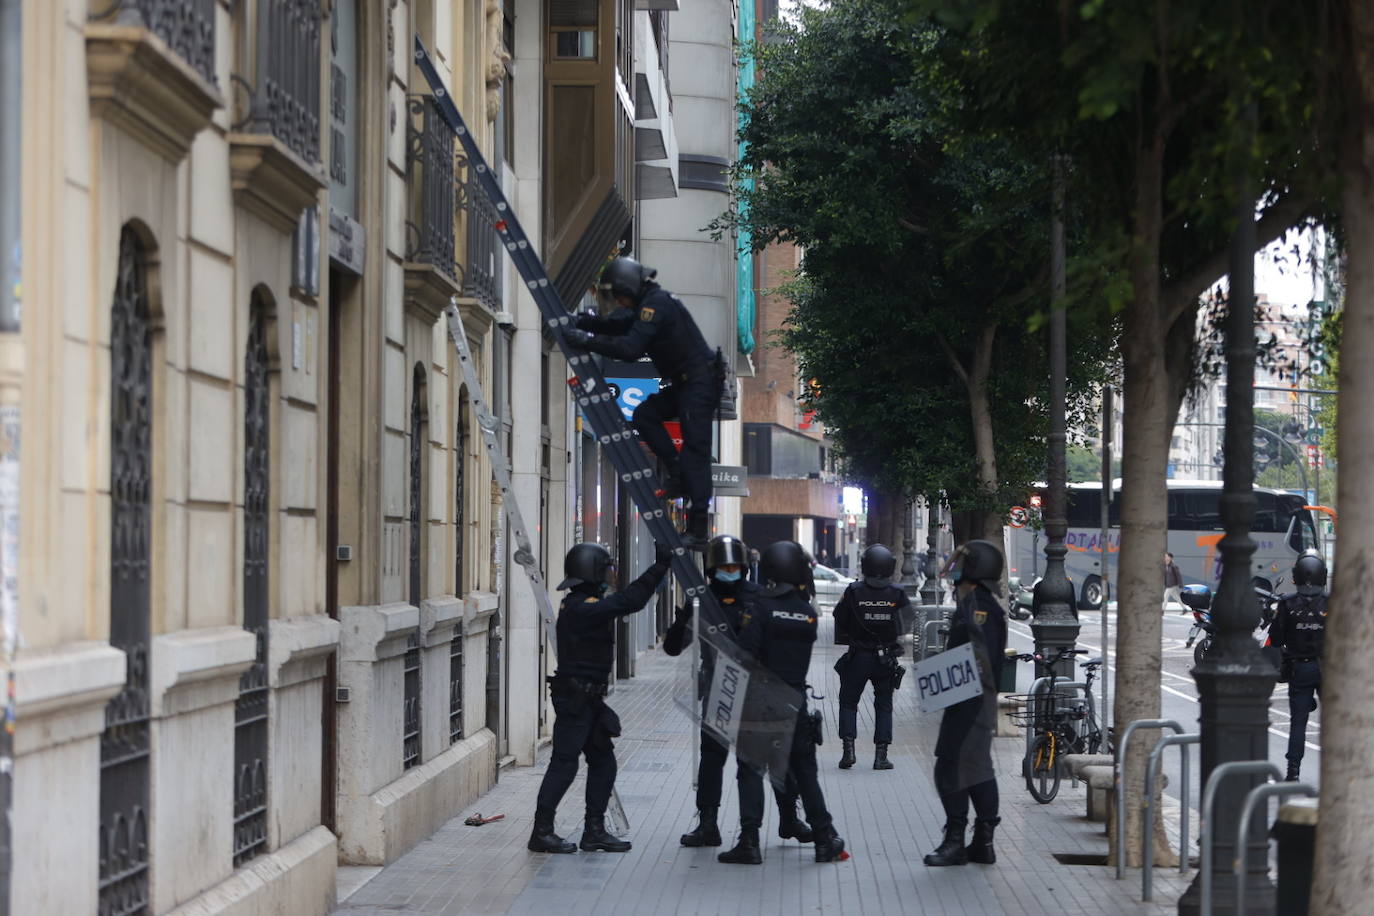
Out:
{"x": 1061, "y": 724}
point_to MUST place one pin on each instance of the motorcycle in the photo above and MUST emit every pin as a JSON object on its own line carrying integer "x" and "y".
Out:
{"x": 1198, "y": 599}
{"x": 1022, "y": 598}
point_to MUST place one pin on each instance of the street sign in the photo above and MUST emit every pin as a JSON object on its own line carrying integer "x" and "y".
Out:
{"x": 1018, "y": 516}
{"x": 947, "y": 678}
{"x": 729, "y": 480}
{"x": 629, "y": 393}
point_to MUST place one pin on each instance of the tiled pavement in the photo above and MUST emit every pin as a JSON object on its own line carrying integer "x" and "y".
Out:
{"x": 888, "y": 820}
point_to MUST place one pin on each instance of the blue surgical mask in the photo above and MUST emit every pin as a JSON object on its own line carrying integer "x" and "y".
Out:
{"x": 723, "y": 576}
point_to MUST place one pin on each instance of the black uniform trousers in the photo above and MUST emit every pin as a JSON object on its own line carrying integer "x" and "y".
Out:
{"x": 860, "y": 668}
{"x": 801, "y": 769}
{"x": 693, "y": 403}
{"x": 711, "y": 777}
{"x": 1304, "y": 686}
{"x": 582, "y": 726}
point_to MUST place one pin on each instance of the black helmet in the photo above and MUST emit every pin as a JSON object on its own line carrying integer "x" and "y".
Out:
{"x": 784, "y": 566}
{"x": 585, "y": 564}
{"x": 982, "y": 562}
{"x": 877, "y": 565}
{"x": 1309, "y": 573}
{"x": 726, "y": 550}
{"x": 626, "y": 277}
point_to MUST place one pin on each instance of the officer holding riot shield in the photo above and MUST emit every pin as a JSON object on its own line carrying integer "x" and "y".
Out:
{"x": 583, "y": 723}
{"x": 651, "y": 321}
{"x": 726, "y": 559}
{"x": 963, "y": 750}
{"x": 1299, "y": 629}
{"x": 868, "y": 619}
{"x": 779, "y": 632}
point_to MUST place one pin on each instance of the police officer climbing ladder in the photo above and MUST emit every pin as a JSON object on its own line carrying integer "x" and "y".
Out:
{"x": 771, "y": 701}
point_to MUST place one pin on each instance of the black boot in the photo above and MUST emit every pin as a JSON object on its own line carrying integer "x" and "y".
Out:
{"x": 951, "y": 850}
{"x": 980, "y": 850}
{"x": 707, "y": 833}
{"x": 672, "y": 484}
{"x": 792, "y": 827}
{"x": 1293, "y": 767}
{"x": 595, "y": 837}
{"x": 880, "y": 761}
{"x": 696, "y": 535}
{"x": 829, "y": 845}
{"x": 542, "y": 837}
{"x": 746, "y": 851}
{"x": 847, "y": 758}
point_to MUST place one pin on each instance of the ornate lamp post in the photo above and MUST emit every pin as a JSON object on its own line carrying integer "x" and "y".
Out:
{"x": 1055, "y": 619}
{"x": 930, "y": 589}
{"x": 1234, "y": 679}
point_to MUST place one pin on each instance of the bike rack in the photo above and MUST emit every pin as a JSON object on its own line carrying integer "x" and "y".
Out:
{"x": 1119, "y": 783}
{"x": 1234, "y": 767}
{"x": 1260, "y": 795}
{"x": 1038, "y": 688}
{"x": 926, "y": 636}
{"x": 1147, "y": 848}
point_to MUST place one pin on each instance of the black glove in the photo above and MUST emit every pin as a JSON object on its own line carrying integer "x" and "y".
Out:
{"x": 587, "y": 316}
{"x": 663, "y": 554}
{"x": 684, "y": 613}
{"x": 577, "y": 338}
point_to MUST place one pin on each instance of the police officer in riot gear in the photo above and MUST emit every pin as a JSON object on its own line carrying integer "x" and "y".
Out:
{"x": 963, "y": 750}
{"x": 868, "y": 619}
{"x": 652, "y": 321}
{"x": 779, "y": 633}
{"x": 583, "y": 723}
{"x": 1298, "y": 629}
{"x": 726, "y": 560}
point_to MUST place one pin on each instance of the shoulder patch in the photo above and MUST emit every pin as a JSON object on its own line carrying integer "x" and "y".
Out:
{"x": 980, "y": 617}
{"x": 591, "y": 600}
{"x": 646, "y": 314}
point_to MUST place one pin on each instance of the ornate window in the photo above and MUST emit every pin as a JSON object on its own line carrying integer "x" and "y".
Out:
{"x": 250, "y": 711}
{"x": 124, "y": 744}
{"x": 455, "y": 686}
{"x": 410, "y": 732}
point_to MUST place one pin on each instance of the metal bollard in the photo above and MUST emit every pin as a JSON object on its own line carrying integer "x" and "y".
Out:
{"x": 1147, "y": 848}
{"x": 1119, "y": 783}
{"x": 1209, "y": 793}
{"x": 1259, "y": 795}
{"x": 1296, "y": 831}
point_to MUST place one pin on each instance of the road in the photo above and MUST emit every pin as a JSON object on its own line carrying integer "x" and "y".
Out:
{"x": 1179, "y": 695}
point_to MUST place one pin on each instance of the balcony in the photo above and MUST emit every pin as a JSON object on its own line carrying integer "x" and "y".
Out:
{"x": 274, "y": 153}
{"x": 151, "y": 70}
{"x": 446, "y": 204}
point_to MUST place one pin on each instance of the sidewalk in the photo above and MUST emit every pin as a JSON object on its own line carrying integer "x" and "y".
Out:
{"x": 889, "y": 820}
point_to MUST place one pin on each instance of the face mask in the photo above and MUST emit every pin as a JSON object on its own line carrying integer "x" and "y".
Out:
{"x": 723, "y": 576}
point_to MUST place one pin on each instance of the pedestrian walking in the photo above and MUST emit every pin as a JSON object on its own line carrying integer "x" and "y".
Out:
{"x": 868, "y": 619}
{"x": 1299, "y": 628}
{"x": 963, "y": 750}
{"x": 1173, "y": 584}
{"x": 726, "y": 557}
{"x": 651, "y": 321}
{"x": 583, "y": 724}
{"x": 779, "y": 633}
{"x": 753, "y": 565}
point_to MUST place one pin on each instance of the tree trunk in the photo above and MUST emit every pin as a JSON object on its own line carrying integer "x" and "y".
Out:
{"x": 1344, "y": 881}
{"x": 988, "y": 521}
{"x": 1148, "y": 417}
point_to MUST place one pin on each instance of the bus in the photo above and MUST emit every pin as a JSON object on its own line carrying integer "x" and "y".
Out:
{"x": 1283, "y": 529}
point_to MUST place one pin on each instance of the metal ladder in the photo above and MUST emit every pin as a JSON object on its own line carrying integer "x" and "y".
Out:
{"x": 774, "y": 705}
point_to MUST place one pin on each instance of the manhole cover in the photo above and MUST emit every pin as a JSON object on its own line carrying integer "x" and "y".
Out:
{"x": 1081, "y": 858}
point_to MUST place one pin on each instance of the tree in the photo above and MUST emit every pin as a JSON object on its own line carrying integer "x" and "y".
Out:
{"x": 921, "y": 353}
{"x": 1144, "y": 99}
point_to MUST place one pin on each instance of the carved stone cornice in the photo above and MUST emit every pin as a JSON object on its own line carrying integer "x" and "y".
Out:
{"x": 477, "y": 318}
{"x": 428, "y": 290}
{"x": 138, "y": 83}
{"x": 270, "y": 180}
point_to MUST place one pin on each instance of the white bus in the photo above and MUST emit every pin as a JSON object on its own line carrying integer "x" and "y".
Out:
{"x": 1283, "y": 529}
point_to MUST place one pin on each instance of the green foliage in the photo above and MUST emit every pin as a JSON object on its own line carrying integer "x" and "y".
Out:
{"x": 1327, "y": 380}
{"x": 921, "y": 236}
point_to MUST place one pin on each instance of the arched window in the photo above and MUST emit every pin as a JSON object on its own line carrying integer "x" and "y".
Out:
{"x": 124, "y": 744}
{"x": 410, "y": 732}
{"x": 250, "y": 711}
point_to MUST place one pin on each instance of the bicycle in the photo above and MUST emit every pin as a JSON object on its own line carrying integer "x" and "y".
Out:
{"x": 1063, "y": 725}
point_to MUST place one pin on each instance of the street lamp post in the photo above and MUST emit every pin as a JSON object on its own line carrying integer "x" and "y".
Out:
{"x": 1055, "y": 619}
{"x": 930, "y": 589}
{"x": 1234, "y": 680}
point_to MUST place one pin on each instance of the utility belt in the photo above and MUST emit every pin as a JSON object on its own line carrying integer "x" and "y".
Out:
{"x": 574, "y": 692}
{"x": 711, "y": 368}
{"x": 888, "y": 656}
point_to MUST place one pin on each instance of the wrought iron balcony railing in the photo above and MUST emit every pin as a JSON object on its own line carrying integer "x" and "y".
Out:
{"x": 187, "y": 26}
{"x": 431, "y": 172}
{"x": 280, "y": 60}
{"x": 482, "y": 280}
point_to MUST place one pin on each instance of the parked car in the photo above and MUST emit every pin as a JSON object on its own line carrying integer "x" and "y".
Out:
{"x": 830, "y": 584}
